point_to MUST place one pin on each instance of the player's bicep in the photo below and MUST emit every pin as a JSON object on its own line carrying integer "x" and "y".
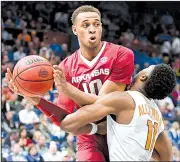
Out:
{"x": 164, "y": 147}
{"x": 110, "y": 86}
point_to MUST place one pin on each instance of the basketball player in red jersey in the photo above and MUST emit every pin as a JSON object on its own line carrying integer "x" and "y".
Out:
{"x": 97, "y": 68}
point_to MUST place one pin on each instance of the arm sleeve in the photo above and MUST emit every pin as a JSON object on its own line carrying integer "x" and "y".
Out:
{"x": 52, "y": 111}
{"x": 123, "y": 67}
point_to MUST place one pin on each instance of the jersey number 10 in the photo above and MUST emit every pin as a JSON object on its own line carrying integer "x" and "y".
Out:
{"x": 94, "y": 86}
{"x": 152, "y": 131}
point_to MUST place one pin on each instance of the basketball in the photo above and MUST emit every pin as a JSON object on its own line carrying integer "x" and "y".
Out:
{"x": 33, "y": 75}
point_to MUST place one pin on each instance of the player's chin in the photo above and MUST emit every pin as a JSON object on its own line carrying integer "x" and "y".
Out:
{"x": 93, "y": 44}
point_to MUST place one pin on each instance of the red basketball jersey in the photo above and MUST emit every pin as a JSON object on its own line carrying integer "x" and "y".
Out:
{"x": 114, "y": 63}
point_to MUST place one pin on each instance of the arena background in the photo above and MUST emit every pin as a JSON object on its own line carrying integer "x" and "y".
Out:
{"x": 150, "y": 29}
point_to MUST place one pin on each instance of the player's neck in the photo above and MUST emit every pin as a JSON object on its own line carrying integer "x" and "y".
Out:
{"x": 89, "y": 53}
{"x": 139, "y": 89}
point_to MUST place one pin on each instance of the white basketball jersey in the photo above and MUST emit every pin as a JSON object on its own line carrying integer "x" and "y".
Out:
{"x": 135, "y": 141}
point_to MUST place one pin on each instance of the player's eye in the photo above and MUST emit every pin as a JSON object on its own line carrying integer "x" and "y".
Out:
{"x": 85, "y": 25}
{"x": 97, "y": 24}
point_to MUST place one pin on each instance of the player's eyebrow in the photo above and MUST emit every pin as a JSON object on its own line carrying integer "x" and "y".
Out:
{"x": 88, "y": 20}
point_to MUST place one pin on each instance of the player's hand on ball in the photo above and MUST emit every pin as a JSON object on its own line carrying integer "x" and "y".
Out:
{"x": 59, "y": 79}
{"x": 10, "y": 82}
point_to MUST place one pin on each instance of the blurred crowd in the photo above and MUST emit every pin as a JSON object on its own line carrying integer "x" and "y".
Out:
{"x": 27, "y": 134}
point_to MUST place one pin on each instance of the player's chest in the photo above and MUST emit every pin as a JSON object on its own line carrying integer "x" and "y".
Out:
{"x": 84, "y": 73}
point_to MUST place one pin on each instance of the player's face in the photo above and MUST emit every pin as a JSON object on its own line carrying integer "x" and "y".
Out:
{"x": 142, "y": 75}
{"x": 147, "y": 71}
{"x": 88, "y": 29}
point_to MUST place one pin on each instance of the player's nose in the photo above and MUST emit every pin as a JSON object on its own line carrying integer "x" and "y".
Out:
{"x": 92, "y": 29}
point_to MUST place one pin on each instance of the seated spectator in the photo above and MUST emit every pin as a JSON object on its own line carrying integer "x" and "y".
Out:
{"x": 166, "y": 105}
{"x": 174, "y": 133}
{"x": 9, "y": 124}
{"x": 176, "y": 46}
{"x": 36, "y": 136}
{"x": 4, "y": 146}
{"x": 16, "y": 154}
{"x": 56, "y": 47}
{"x": 19, "y": 54}
{"x": 34, "y": 155}
{"x": 5, "y": 34}
{"x": 42, "y": 145}
{"x": 68, "y": 155}
{"x": 27, "y": 115}
{"x": 53, "y": 154}
{"x": 176, "y": 154}
{"x": 17, "y": 45}
{"x": 24, "y": 140}
{"x": 64, "y": 52}
{"x": 24, "y": 36}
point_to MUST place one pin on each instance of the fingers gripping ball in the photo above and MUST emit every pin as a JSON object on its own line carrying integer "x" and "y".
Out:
{"x": 33, "y": 75}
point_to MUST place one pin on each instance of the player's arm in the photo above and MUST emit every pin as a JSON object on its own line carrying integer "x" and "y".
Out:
{"x": 109, "y": 104}
{"x": 164, "y": 147}
{"x": 52, "y": 111}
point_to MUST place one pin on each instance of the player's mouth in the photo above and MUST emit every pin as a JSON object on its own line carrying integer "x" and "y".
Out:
{"x": 92, "y": 39}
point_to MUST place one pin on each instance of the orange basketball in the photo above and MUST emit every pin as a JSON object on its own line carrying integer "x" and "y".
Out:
{"x": 33, "y": 75}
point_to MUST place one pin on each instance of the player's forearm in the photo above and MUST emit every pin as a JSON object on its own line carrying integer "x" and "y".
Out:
{"x": 87, "y": 129}
{"x": 52, "y": 111}
{"x": 83, "y": 130}
{"x": 81, "y": 98}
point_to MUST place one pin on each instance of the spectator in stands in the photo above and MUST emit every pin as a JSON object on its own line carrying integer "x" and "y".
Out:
{"x": 36, "y": 42}
{"x": 176, "y": 154}
{"x": 174, "y": 133}
{"x": 24, "y": 140}
{"x": 45, "y": 51}
{"x": 16, "y": 154}
{"x": 64, "y": 52}
{"x": 36, "y": 135}
{"x": 27, "y": 115}
{"x": 68, "y": 155}
{"x": 8, "y": 123}
{"x": 5, "y": 34}
{"x": 19, "y": 54}
{"x": 56, "y": 47}
{"x": 175, "y": 46}
{"x": 42, "y": 145}
{"x": 166, "y": 106}
{"x": 24, "y": 36}
{"x": 9, "y": 23}
{"x": 34, "y": 155}
{"x": 4, "y": 146}
{"x": 53, "y": 154}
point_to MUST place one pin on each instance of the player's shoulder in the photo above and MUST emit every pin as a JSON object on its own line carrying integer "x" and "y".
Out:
{"x": 121, "y": 50}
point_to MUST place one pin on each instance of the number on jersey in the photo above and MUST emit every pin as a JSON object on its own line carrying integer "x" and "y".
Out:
{"x": 152, "y": 131}
{"x": 94, "y": 86}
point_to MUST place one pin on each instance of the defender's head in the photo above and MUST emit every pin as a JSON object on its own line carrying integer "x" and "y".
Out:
{"x": 156, "y": 81}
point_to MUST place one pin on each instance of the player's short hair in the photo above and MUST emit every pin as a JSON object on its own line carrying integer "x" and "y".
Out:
{"x": 161, "y": 82}
{"x": 82, "y": 9}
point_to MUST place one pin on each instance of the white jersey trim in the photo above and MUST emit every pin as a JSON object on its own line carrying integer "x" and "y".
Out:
{"x": 92, "y": 62}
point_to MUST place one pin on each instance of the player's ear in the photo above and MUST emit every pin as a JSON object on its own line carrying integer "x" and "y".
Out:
{"x": 143, "y": 77}
{"x": 74, "y": 29}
